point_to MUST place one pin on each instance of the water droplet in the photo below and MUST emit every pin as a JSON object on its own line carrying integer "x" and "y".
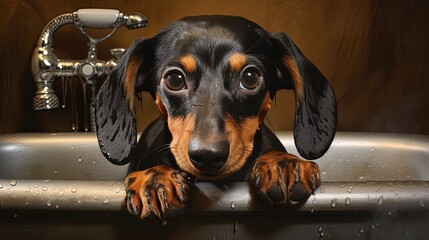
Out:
{"x": 164, "y": 222}
{"x": 13, "y": 182}
{"x": 347, "y": 201}
{"x": 118, "y": 189}
{"x": 333, "y": 203}
{"x": 320, "y": 230}
{"x": 36, "y": 186}
{"x": 350, "y": 189}
{"x": 46, "y": 180}
{"x": 72, "y": 146}
{"x": 312, "y": 210}
{"x": 79, "y": 201}
{"x": 380, "y": 200}
{"x": 73, "y": 190}
{"x": 361, "y": 177}
{"x": 232, "y": 205}
{"x": 15, "y": 215}
{"x": 1, "y": 186}
{"x": 94, "y": 162}
{"x": 361, "y": 229}
{"x": 48, "y": 203}
{"x": 55, "y": 171}
{"x": 57, "y": 206}
{"x": 106, "y": 201}
{"x": 372, "y": 149}
{"x": 421, "y": 203}
{"x": 44, "y": 189}
{"x": 79, "y": 160}
{"x": 27, "y": 190}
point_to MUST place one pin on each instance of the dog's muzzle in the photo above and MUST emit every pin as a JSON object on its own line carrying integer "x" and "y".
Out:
{"x": 208, "y": 156}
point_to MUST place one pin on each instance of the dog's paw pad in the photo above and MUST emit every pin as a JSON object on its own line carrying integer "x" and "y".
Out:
{"x": 298, "y": 193}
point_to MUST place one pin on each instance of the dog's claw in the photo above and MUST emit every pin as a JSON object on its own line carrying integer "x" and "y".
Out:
{"x": 133, "y": 209}
{"x": 284, "y": 178}
{"x": 257, "y": 179}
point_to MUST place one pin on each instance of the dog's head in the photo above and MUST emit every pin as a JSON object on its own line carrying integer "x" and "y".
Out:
{"x": 213, "y": 79}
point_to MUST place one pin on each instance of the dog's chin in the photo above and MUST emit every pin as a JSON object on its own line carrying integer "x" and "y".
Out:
{"x": 208, "y": 175}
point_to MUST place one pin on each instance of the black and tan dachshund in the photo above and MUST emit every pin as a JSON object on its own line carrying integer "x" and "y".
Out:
{"x": 213, "y": 79}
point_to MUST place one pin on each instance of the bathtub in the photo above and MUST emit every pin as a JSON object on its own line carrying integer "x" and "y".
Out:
{"x": 59, "y": 186}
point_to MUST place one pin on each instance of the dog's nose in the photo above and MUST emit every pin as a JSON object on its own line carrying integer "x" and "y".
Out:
{"x": 207, "y": 155}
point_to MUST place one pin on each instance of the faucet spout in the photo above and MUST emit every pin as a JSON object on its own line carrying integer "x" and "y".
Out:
{"x": 47, "y": 68}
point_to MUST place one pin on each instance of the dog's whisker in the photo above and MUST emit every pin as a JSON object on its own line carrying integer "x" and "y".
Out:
{"x": 157, "y": 150}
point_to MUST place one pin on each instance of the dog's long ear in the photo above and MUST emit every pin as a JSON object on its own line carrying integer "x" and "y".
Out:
{"x": 114, "y": 110}
{"x": 316, "y": 107}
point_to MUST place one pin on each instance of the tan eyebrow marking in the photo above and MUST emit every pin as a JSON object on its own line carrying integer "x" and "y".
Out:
{"x": 237, "y": 61}
{"x": 189, "y": 63}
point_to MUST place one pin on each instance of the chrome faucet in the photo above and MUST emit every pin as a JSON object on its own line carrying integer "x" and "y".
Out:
{"x": 47, "y": 68}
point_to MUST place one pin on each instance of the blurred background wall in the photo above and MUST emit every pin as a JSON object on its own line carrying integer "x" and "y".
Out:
{"x": 373, "y": 52}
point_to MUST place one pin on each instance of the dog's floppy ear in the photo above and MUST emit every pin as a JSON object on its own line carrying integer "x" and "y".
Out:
{"x": 316, "y": 107}
{"x": 114, "y": 110}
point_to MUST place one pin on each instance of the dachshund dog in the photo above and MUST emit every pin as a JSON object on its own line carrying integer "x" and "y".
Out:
{"x": 213, "y": 79}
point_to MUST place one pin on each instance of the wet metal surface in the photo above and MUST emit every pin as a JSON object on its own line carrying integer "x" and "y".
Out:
{"x": 375, "y": 186}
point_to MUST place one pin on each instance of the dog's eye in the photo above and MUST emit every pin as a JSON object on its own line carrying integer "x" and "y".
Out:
{"x": 174, "y": 80}
{"x": 250, "y": 79}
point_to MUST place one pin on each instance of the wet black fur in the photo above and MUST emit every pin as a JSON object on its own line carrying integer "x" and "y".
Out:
{"x": 210, "y": 39}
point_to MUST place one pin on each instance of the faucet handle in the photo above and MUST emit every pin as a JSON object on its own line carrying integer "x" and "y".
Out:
{"x": 97, "y": 18}
{"x": 104, "y": 18}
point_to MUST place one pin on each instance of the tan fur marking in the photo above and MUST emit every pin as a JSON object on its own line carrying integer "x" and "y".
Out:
{"x": 240, "y": 137}
{"x": 266, "y": 105}
{"x": 181, "y": 129}
{"x": 161, "y": 107}
{"x": 297, "y": 78}
{"x": 237, "y": 61}
{"x": 130, "y": 81}
{"x": 189, "y": 63}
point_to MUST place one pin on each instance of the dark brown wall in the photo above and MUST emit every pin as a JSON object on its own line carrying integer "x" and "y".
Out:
{"x": 374, "y": 53}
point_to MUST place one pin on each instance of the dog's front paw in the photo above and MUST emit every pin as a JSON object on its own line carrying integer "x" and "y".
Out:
{"x": 280, "y": 178}
{"x": 157, "y": 194}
